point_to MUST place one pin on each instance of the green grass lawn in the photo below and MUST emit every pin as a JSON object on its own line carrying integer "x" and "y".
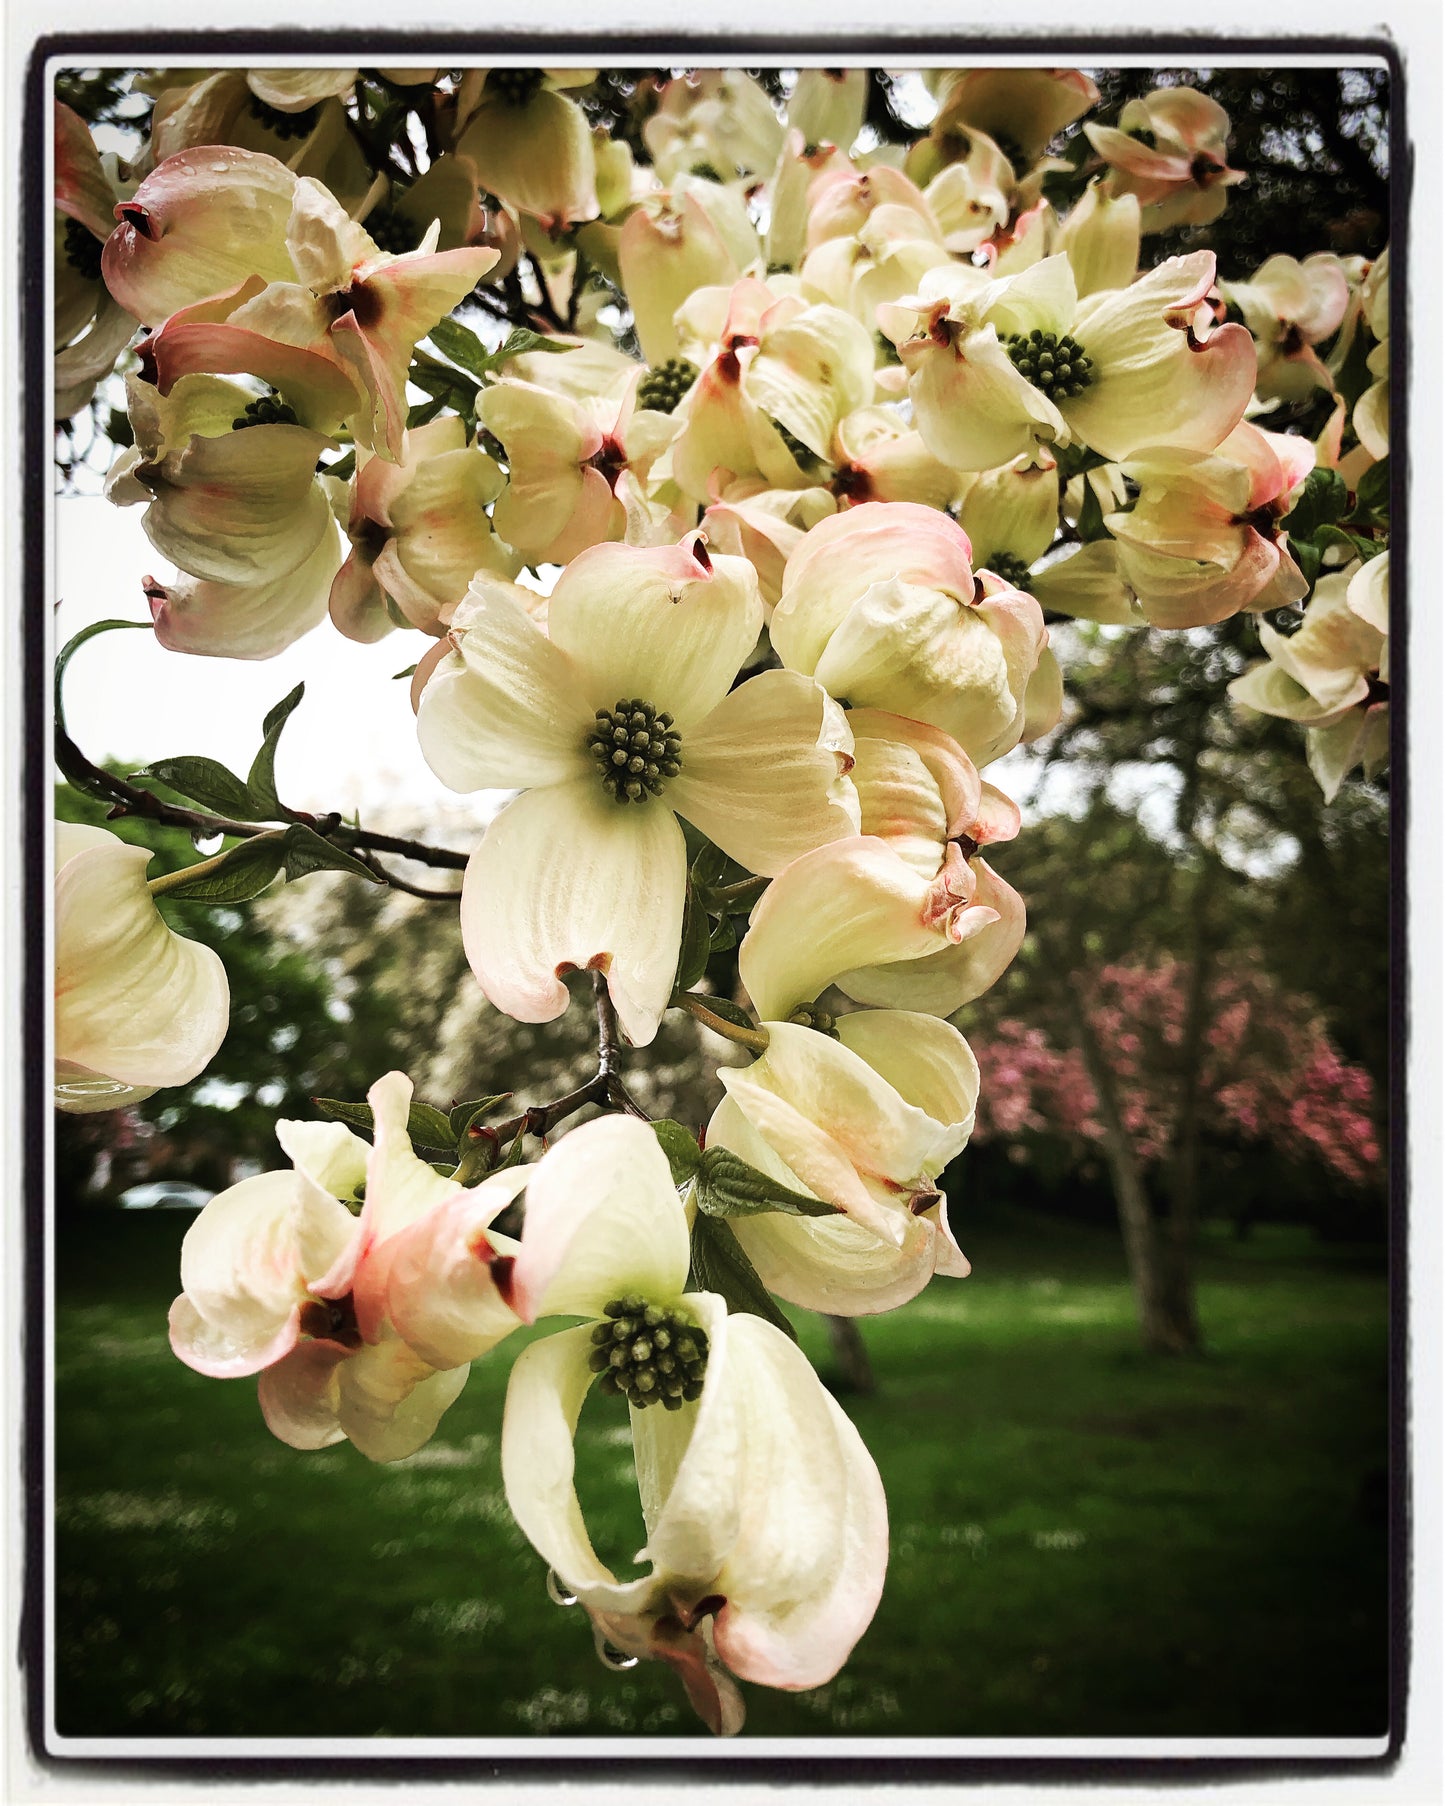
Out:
{"x": 1085, "y": 1542}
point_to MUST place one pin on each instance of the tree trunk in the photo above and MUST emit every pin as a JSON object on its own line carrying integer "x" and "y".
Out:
{"x": 850, "y": 1357}
{"x": 1178, "y": 1299}
{"x": 1136, "y": 1220}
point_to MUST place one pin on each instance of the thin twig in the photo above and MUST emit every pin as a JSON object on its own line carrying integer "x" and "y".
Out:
{"x": 604, "y": 1089}
{"x": 373, "y": 864}
{"x": 129, "y": 799}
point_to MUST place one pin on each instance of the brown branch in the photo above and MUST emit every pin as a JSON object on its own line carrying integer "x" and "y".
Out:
{"x": 129, "y": 799}
{"x": 604, "y": 1089}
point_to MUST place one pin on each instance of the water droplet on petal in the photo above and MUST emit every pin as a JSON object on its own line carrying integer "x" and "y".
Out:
{"x": 616, "y": 1659}
{"x": 558, "y": 1592}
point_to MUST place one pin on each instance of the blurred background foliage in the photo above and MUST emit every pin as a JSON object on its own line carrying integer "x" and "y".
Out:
{"x": 1087, "y": 1539}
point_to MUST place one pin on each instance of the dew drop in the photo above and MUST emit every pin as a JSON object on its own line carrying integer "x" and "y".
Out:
{"x": 207, "y": 843}
{"x": 617, "y": 1660}
{"x": 558, "y": 1592}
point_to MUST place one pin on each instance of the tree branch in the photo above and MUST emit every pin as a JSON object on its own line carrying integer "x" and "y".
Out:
{"x": 605, "y": 1089}
{"x": 126, "y": 798}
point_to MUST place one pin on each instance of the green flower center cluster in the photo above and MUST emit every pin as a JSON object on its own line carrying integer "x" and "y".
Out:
{"x": 649, "y": 1353}
{"x": 1012, "y": 570}
{"x": 813, "y": 1015}
{"x": 663, "y": 387}
{"x": 515, "y": 86}
{"x": 1052, "y": 362}
{"x": 391, "y": 231}
{"x": 266, "y": 410}
{"x": 284, "y": 125}
{"x": 805, "y": 456}
{"x": 637, "y": 750}
{"x": 82, "y": 250}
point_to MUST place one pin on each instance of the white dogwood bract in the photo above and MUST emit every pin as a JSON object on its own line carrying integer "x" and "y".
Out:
{"x": 137, "y": 1006}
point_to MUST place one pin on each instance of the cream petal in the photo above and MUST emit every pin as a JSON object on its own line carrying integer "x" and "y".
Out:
{"x": 763, "y": 774}
{"x": 603, "y": 1221}
{"x": 986, "y": 936}
{"x": 829, "y": 1264}
{"x": 974, "y": 410}
{"x": 389, "y": 1401}
{"x": 926, "y": 1060}
{"x": 299, "y": 1395}
{"x": 246, "y": 620}
{"x": 805, "y": 1573}
{"x": 246, "y": 1264}
{"x": 567, "y": 879}
{"x": 508, "y": 708}
{"x": 845, "y": 906}
{"x": 442, "y": 1295}
{"x": 549, "y": 1381}
{"x": 669, "y": 624}
{"x": 326, "y": 1154}
{"x": 919, "y": 653}
{"x": 200, "y": 223}
{"x": 1155, "y": 382}
{"x": 133, "y": 1000}
{"x": 243, "y": 507}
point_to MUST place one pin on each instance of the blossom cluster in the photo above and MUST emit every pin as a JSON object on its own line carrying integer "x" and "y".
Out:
{"x": 732, "y": 564}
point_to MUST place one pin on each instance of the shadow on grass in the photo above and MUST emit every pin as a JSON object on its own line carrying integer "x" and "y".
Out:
{"x": 1085, "y": 1542}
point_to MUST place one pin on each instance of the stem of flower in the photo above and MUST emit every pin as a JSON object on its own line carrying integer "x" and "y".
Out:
{"x": 755, "y": 1038}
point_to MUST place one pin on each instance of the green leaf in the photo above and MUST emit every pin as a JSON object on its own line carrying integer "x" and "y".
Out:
{"x": 262, "y": 776}
{"x": 719, "y": 1265}
{"x": 410, "y": 671}
{"x": 1091, "y": 516}
{"x": 725, "y": 935}
{"x": 464, "y": 1115}
{"x": 1353, "y": 544}
{"x": 728, "y": 1187}
{"x": 207, "y": 782}
{"x": 429, "y": 1128}
{"x": 307, "y": 852}
{"x": 1323, "y": 499}
{"x": 426, "y": 1127}
{"x": 684, "y": 1156}
{"x": 355, "y": 1116}
{"x": 709, "y": 866}
{"x": 344, "y": 467}
{"x": 692, "y": 956}
{"x": 461, "y": 345}
{"x": 522, "y": 339}
{"x": 243, "y": 872}
{"x": 1373, "y": 495}
{"x": 1306, "y": 555}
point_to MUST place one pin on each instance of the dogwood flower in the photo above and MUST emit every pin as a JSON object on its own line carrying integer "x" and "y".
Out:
{"x": 858, "y": 915}
{"x": 695, "y": 235}
{"x": 1290, "y": 307}
{"x": 769, "y": 403}
{"x": 766, "y": 1524}
{"x": 881, "y": 606}
{"x": 1169, "y": 149}
{"x": 419, "y": 533}
{"x": 531, "y": 145}
{"x": 992, "y": 369}
{"x": 1371, "y": 417}
{"x": 137, "y": 1006}
{"x": 1202, "y": 541}
{"x": 619, "y": 718}
{"x": 866, "y": 1115}
{"x": 1332, "y": 675}
{"x": 1020, "y": 109}
{"x": 713, "y": 122}
{"x": 91, "y": 328}
{"x": 280, "y": 1278}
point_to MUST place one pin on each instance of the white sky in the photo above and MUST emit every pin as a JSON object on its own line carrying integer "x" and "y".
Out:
{"x": 351, "y": 744}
